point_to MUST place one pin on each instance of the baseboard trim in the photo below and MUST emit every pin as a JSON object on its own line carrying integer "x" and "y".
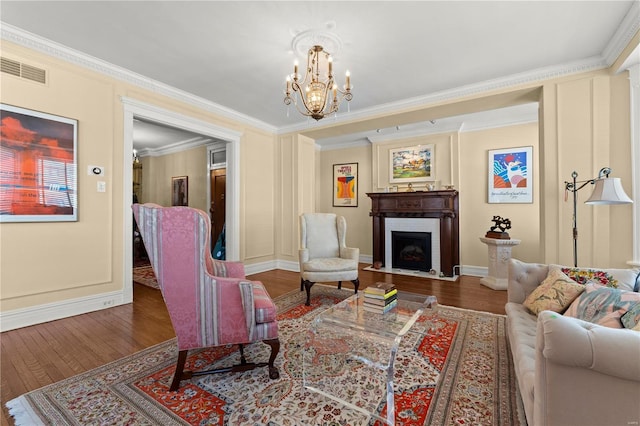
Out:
{"x": 18, "y": 318}
{"x": 474, "y": 271}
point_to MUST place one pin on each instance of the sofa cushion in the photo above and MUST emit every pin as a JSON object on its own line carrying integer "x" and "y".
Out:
{"x": 632, "y": 317}
{"x": 331, "y": 264}
{"x": 623, "y": 279}
{"x": 584, "y": 276}
{"x": 521, "y": 326}
{"x": 555, "y": 293}
{"x": 602, "y": 305}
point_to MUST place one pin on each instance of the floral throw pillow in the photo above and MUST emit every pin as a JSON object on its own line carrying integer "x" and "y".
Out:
{"x": 583, "y": 276}
{"x": 602, "y": 305}
{"x": 555, "y": 293}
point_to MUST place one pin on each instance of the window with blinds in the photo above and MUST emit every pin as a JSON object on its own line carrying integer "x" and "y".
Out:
{"x": 7, "y": 173}
{"x": 56, "y": 181}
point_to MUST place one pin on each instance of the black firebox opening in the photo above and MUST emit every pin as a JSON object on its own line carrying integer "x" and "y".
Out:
{"x": 411, "y": 250}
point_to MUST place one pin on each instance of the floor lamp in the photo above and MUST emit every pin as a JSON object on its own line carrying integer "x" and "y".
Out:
{"x": 606, "y": 191}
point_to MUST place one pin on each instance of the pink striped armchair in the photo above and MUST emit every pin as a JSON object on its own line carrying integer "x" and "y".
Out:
{"x": 210, "y": 302}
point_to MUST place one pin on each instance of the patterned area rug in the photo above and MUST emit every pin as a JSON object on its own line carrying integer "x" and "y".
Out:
{"x": 459, "y": 374}
{"x": 144, "y": 275}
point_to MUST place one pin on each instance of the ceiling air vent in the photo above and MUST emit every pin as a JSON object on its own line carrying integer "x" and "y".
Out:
{"x": 25, "y": 71}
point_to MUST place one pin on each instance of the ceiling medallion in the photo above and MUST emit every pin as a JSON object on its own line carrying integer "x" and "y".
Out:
{"x": 317, "y": 86}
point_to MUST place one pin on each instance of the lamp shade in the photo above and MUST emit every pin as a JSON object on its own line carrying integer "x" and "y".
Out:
{"x": 608, "y": 191}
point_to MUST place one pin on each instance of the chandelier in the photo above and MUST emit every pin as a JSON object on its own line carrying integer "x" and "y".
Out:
{"x": 318, "y": 92}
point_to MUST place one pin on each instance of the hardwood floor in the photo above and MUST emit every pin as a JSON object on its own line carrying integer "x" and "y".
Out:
{"x": 32, "y": 357}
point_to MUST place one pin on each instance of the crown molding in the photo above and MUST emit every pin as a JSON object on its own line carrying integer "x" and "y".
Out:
{"x": 175, "y": 147}
{"x": 626, "y": 31}
{"x": 26, "y": 39}
{"x": 515, "y": 80}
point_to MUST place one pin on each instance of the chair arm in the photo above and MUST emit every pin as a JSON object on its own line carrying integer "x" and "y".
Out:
{"x": 350, "y": 253}
{"x": 303, "y": 256}
{"x": 576, "y": 343}
{"x": 234, "y": 305}
{"x": 228, "y": 269}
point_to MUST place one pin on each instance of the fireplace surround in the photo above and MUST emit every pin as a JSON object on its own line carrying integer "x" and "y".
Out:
{"x": 440, "y": 205}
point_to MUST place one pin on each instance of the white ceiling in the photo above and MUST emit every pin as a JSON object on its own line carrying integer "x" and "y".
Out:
{"x": 235, "y": 54}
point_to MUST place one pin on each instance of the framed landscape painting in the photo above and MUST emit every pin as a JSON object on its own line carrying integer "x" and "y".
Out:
{"x": 411, "y": 164}
{"x": 38, "y": 166}
{"x": 345, "y": 185}
{"x": 510, "y": 175}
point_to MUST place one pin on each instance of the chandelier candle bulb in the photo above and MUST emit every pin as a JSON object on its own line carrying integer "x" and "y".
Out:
{"x": 348, "y": 75}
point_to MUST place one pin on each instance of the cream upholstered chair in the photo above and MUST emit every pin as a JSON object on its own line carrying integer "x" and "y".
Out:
{"x": 210, "y": 302}
{"x": 323, "y": 254}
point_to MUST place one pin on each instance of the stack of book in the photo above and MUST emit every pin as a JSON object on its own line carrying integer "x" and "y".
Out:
{"x": 380, "y": 298}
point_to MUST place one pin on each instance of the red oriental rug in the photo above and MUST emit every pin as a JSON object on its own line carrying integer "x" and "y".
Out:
{"x": 144, "y": 275}
{"x": 460, "y": 373}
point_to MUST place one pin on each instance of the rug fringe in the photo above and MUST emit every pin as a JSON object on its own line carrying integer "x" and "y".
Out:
{"x": 22, "y": 412}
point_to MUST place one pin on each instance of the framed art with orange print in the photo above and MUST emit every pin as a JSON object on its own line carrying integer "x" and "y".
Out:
{"x": 345, "y": 185}
{"x": 511, "y": 175}
{"x": 38, "y": 166}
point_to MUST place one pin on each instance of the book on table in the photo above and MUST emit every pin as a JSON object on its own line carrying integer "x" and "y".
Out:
{"x": 380, "y": 289}
{"x": 371, "y": 296}
{"x": 379, "y": 301}
{"x": 380, "y": 309}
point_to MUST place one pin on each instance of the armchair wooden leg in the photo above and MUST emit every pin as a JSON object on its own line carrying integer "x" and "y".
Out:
{"x": 301, "y": 284}
{"x": 356, "y": 283}
{"x": 243, "y": 360}
{"x": 307, "y": 285}
{"x": 339, "y": 285}
{"x": 275, "y": 348}
{"x": 177, "y": 376}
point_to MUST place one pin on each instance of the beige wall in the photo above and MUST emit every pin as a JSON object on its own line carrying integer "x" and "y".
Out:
{"x": 158, "y": 171}
{"x": 43, "y": 264}
{"x": 48, "y": 262}
{"x": 476, "y": 213}
{"x": 358, "y": 220}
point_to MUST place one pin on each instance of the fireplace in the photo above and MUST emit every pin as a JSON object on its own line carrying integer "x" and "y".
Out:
{"x": 411, "y": 250}
{"x": 435, "y": 212}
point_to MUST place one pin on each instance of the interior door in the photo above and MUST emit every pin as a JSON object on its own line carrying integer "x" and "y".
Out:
{"x": 217, "y": 209}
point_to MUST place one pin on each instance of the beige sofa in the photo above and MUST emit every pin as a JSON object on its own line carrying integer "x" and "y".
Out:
{"x": 571, "y": 372}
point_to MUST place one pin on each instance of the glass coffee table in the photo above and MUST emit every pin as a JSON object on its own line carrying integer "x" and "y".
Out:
{"x": 350, "y": 352}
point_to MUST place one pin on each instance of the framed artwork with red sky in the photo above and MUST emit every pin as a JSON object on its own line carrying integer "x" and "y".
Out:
{"x": 38, "y": 166}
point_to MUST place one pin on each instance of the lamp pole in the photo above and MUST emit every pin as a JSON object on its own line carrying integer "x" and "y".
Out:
{"x": 572, "y": 186}
{"x": 603, "y": 175}
{"x": 574, "y": 176}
